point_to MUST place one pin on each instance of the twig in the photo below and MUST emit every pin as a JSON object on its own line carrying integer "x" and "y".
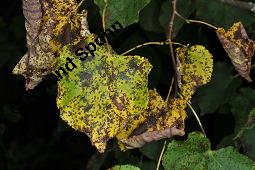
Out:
{"x": 195, "y": 21}
{"x": 150, "y": 43}
{"x": 170, "y": 31}
{"x": 240, "y": 4}
{"x": 198, "y": 120}
{"x": 169, "y": 39}
{"x": 161, "y": 155}
{"x": 170, "y": 89}
{"x": 80, "y": 3}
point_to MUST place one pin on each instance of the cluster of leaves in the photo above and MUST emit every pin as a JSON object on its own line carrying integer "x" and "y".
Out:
{"x": 99, "y": 97}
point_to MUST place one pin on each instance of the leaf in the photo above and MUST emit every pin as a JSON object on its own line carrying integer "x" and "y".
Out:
{"x": 149, "y": 16}
{"x": 245, "y": 138}
{"x": 239, "y": 47}
{"x": 152, "y": 150}
{"x": 196, "y": 153}
{"x": 103, "y": 93}
{"x": 241, "y": 105}
{"x": 160, "y": 120}
{"x": 221, "y": 14}
{"x": 184, "y": 7}
{"x": 125, "y": 11}
{"x": 125, "y": 167}
{"x": 217, "y": 92}
{"x": 50, "y": 26}
{"x": 194, "y": 68}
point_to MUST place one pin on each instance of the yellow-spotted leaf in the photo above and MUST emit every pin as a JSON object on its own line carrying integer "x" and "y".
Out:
{"x": 194, "y": 68}
{"x": 239, "y": 47}
{"x": 103, "y": 93}
{"x": 159, "y": 120}
{"x": 50, "y": 25}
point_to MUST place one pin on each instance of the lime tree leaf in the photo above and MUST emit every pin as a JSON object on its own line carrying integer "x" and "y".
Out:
{"x": 184, "y": 7}
{"x": 217, "y": 92}
{"x": 50, "y": 26}
{"x": 196, "y": 153}
{"x": 103, "y": 93}
{"x": 221, "y": 14}
{"x": 125, "y": 167}
{"x": 194, "y": 68}
{"x": 152, "y": 150}
{"x": 160, "y": 120}
{"x": 241, "y": 105}
{"x": 149, "y": 16}
{"x": 239, "y": 47}
{"x": 125, "y": 11}
{"x": 245, "y": 138}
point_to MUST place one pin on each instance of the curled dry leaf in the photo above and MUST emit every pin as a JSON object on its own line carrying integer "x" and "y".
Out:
{"x": 103, "y": 93}
{"x": 239, "y": 47}
{"x": 194, "y": 68}
{"x": 50, "y": 25}
{"x": 160, "y": 120}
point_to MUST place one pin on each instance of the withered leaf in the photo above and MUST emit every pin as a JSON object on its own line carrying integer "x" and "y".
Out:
{"x": 160, "y": 120}
{"x": 239, "y": 48}
{"x": 50, "y": 25}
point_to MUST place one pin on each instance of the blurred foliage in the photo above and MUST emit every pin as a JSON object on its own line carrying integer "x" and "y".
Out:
{"x": 32, "y": 136}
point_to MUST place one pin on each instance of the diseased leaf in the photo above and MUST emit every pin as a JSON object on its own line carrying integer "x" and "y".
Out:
{"x": 239, "y": 47}
{"x": 125, "y": 11}
{"x": 159, "y": 120}
{"x": 196, "y": 153}
{"x": 194, "y": 68}
{"x": 103, "y": 93}
{"x": 50, "y": 25}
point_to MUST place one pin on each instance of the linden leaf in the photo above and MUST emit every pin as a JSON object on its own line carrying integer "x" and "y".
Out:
{"x": 239, "y": 47}
{"x": 124, "y": 11}
{"x": 245, "y": 137}
{"x": 196, "y": 153}
{"x": 159, "y": 120}
{"x": 124, "y": 167}
{"x": 103, "y": 93}
{"x": 194, "y": 68}
{"x": 50, "y": 25}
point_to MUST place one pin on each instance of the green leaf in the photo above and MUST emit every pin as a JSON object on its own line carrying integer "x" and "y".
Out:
{"x": 246, "y": 138}
{"x": 195, "y": 153}
{"x": 124, "y": 11}
{"x": 241, "y": 105}
{"x": 184, "y": 7}
{"x": 221, "y": 14}
{"x": 149, "y": 16}
{"x": 219, "y": 90}
{"x": 152, "y": 150}
{"x": 125, "y": 167}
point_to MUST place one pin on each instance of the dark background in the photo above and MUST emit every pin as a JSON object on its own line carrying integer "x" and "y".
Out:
{"x": 32, "y": 135}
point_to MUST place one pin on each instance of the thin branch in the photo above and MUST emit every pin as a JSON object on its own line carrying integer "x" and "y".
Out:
{"x": 169, "y": 39}
{"x": 240, "y": 4}
{"x": 198, "y": 120}
{"x": 161, "y": 155}
{"x": 170, "y": 31}
{"x": 150, "y": 43}
{"x": 170, "y": 89}
{"x": 195, "y": 21}
{"x": 80, "y": 3}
